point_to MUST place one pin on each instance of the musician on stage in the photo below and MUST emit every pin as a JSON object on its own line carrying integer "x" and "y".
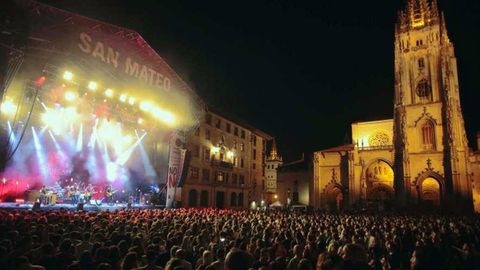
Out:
{"x": 88, "y": 193}
{"x": 109, "y": 194}
{"x": 44, "y": 195}
{"x": 75, "y": 194}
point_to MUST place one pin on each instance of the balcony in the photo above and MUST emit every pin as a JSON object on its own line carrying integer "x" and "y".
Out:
{"x": 221, "y": 164}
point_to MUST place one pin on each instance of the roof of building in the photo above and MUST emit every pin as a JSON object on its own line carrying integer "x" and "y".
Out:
{"x": 238, "y": 121}
{"x": 345, "y": 147}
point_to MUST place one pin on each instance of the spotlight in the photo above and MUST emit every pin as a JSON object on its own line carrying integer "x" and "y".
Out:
{"x": 145, "y": 105}
{"x": 140, "y": 121}
{"x": 67, "y": 75}
{"x": 109, "y": 92}
{"x": 92, "y": 86}
{"x": 70, "y": 96}
{"x": 123, "y": 97}
{"x": 131, "y": 100}
{"x": 163, "y": 116}
{"x": 8, "y": 107}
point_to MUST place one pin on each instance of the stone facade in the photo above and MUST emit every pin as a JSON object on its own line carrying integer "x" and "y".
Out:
{"x": 421, "y": 156}
{"x": 226, "y": 168}
{"x": 293, "y": 182}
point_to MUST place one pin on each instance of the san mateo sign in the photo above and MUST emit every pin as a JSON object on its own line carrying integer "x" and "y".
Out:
{"x": 114, "y": 58}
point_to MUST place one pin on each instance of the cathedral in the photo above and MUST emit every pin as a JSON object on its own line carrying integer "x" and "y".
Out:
{"x": 420, "y": 159}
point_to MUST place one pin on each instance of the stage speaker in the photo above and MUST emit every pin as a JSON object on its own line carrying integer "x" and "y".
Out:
{"x": 80, "y": 207}
{"x": 36, "y": 206}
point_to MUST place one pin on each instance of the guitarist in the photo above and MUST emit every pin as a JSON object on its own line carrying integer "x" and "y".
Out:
{"x": 109, "y": 194}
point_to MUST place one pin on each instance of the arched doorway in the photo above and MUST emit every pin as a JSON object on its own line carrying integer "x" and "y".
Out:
{"x": 430, "y": 192}
{"x": 379, "y": 179}
{"x": 334, "y": 198}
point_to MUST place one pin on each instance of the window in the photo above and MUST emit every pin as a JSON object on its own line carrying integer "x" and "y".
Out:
{"x": 243, "y": 134}
{"x": 419, "y": 42}
{"x": 242, "y": 147}
{"x": 205, "y": 175}
{"x": 235, "y": 145}
{"x": 197, "y": 132}
{"x": 424, "y": 90}
{"x": 241, "y": 179}
{"x": 194, "y": 172}
{"x": 206, "y": 154}
{"x": 226, "y": 177}
{"x": 207, "y": 134}
{"x": 254, "y": 154}
{"x": 428, "y": 135}
{"x": 218, "y": 123}
{"x": 234, "y": 178}
{"x": 241, "y": 163}
{"x": 219, "y": 176}
{"x": 421, "y": 63}
{"x": 229, "y": 128}
{"x": 204, "y": 198}
{"x": 254, "y": 165}
{"x": 208, "y": 119}
{"x": 253, "y": 138}
{"x": 235, "y": 131}
{"x": 196, "y": 151}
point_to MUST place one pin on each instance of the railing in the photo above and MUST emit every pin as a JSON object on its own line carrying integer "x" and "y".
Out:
{"x": 221, "y": 164}
{"x": 377, "y": 147}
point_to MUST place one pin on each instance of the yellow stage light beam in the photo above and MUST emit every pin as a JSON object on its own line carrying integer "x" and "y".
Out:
{"x": 92, "y": 86}
{"x": 70, "y": 96}
{"x": 164, "y": 116}
{"x": 131, "y": 100}
{"x": 109, "y": 92}
{"x": 123, "y": 98}
{"x": 67, "y": 75}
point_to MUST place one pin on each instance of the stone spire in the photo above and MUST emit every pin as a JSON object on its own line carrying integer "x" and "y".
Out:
{"x": 273, "y": 152}
{"x": 417, "y": 14}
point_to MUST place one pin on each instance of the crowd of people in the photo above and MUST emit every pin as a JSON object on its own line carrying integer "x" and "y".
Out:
{"x": 206, "y": 239}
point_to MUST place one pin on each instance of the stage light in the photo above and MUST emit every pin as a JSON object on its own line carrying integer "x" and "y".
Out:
{"x": 131, "y": 100}
{"x": 8, "y": 107}
{"x": 123, "y": 98}
{"x": 145, "y": 105}
{"x": 67, "y": 75}
{"x": 127, "y": 139}
{"x": 70, "y": 96}
{"x": 164, "y": 116}
{"x": 92, "y": 86}
{"x": 109, "y": 92}
{"x": 140, "y": 121}
{"x": 215, "y": 149}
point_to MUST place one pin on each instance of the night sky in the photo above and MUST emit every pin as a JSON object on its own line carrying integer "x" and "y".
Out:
{"x": 299, "y": 70}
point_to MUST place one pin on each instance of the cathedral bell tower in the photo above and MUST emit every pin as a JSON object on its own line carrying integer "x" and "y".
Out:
{"x": 431, "y": 149}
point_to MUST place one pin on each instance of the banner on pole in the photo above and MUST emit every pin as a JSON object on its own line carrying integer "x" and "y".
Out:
{"x": 175, "y": 168}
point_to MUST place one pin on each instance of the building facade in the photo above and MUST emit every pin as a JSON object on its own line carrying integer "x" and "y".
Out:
{"x": 227, "y": 162}
{"x": 294, "y": 181}
{"x": 420, "y": 158}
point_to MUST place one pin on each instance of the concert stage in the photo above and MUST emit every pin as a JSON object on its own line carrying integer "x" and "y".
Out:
{"x": 72, "y": 207}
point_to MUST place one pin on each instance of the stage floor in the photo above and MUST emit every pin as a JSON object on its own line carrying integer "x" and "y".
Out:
{"x": 73, "y": 207}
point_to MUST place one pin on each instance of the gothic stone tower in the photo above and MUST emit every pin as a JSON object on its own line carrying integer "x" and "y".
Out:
{"x": 431, "y": 150}
{"x": 273, "y": 161}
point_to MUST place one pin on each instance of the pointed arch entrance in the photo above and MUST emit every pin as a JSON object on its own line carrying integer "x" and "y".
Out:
{"x": 430, "y": 190}
{"x": 379, "y": 184}
{"x": 334, "y": 197}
